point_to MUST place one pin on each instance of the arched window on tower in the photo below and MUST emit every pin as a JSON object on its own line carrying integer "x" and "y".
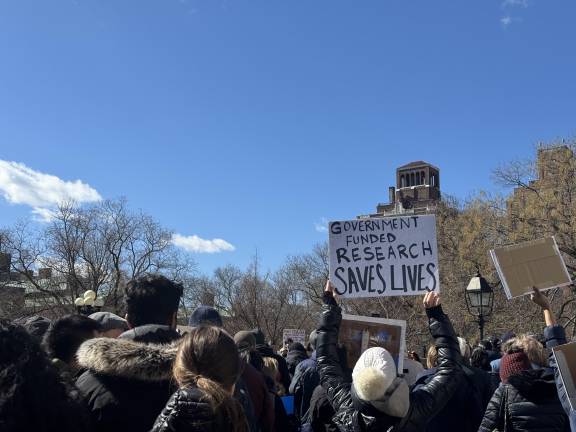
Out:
{"x": 418, "y": 178}
{"x": 412, "y": 179}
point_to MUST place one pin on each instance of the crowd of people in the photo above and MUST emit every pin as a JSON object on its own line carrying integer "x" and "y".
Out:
{"x": 104, "y": 373}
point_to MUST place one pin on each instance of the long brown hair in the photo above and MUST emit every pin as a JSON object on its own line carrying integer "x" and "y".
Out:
{"x": 208, "y": 359}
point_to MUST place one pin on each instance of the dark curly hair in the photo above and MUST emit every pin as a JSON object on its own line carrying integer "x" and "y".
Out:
{"x": 33, "y": 396}
{"x": 152, "y": 299}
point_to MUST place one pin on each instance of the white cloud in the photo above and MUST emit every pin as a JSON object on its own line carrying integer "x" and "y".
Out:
{"x": 321, "y": 226}
{"x": 43, "y": 192}
{"x": 196, "y": 244}
{"x": 515, "y": 3}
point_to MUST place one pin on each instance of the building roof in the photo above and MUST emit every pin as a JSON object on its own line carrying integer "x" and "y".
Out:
{"x": 416, "y": 164}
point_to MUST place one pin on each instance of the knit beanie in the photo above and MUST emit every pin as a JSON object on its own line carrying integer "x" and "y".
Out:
{"x": 375, "y": 381}
{"x": 205, "y": 315}
{"x": 512, "y": 364}
{"x": 245, "y": 340}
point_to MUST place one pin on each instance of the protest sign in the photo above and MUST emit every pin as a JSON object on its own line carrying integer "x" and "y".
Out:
{"x": 536, "y": 263}
{"x": 297, "y": 335}
{"x": 378, "y": 257}
{"x": 565, "y": 356}
{"x": 358, "y": 333}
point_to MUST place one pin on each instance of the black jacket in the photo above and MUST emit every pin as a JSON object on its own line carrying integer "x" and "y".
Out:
{"x": 465, "y": 410}
{"x": 128, "y": 380}
{"x": 188, "y": 411}
{"x": 528, "y": 402}
{"x": 320, "y": 414}
{"x": 424, "y": 402}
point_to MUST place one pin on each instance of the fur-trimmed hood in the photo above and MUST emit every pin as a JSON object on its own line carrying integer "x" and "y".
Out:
{"x": 128, "y": 359}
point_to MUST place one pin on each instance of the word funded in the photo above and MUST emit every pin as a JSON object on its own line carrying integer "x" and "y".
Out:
{"x": 377, "y": 278}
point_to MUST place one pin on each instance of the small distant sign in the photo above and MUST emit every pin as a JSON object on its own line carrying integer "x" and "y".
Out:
{"x": 536, "y": 263}
{"x": 297, "y": 335}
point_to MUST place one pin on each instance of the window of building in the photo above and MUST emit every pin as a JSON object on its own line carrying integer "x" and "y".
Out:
{"x": 412, "y": 180}
{"x": 418, "y": 178}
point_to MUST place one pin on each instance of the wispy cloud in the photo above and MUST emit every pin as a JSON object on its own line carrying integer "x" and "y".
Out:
{"x": 196, "y": 244}
{"x": 507, "y": 21}
{"x": 515, "y": 3}
{"x": 20, "y": 184}
{"x": 321, "y": 226}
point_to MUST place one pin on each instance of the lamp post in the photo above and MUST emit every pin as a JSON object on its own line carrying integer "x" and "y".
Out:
{"x": 479, "y": 300}
{"x": 88, "y": 303}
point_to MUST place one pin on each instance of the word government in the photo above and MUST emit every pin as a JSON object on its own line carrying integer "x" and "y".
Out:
{"x": 383, "y": 224}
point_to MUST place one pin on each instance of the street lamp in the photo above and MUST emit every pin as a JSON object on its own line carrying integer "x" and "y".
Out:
{"x": 479, "y": 300}
{"x": 88, "y": 303}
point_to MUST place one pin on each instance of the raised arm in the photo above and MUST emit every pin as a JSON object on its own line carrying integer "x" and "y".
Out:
{"x": 427, "y": 400}
{"x": 329, "y": 369}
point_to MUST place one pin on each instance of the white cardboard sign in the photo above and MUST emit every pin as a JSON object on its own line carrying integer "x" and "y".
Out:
{"x": 297, "y": 335}
{"x": 379, "y": 257}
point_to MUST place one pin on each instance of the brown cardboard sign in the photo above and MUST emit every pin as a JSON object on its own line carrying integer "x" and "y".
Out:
{"x": 358, "y": 333}
{"x": 565, "y": 356}
{"x": 536, "y": 263}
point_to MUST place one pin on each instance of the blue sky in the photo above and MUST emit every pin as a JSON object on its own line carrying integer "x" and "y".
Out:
{"x": 250, "y": 121}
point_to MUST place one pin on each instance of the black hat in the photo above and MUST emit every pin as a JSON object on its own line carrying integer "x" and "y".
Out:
{"x": 205, "y": 315}
{"x": 109, "y": 321}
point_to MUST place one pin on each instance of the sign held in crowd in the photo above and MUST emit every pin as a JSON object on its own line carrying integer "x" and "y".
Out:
{"x": 378, "y": 257}
{"x": 297, "y": 335}
{"x": 565, "y": 356}
{"x": 358, "y": 333}
{"x": 536, "y": 263}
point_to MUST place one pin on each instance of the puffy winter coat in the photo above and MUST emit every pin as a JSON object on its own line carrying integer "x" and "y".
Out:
{"x": 188, "y": 411}
{"x": 465, "y": 410}
{"x": 424, "y": 402}
{"x": 528, "y": 402}
{"x": 320, "y": 414}
{"x": 128, "y": 380}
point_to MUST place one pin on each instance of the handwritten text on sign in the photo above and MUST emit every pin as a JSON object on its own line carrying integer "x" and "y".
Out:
{"x": 380, "y": 257}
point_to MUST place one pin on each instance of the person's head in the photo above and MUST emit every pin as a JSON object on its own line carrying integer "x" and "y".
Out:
{"x": 36, "y": 325}
{"x": 259, "y": 336}
{"x": 464, "y": 349}
{"x": 414, "y": 356}
{"x": 152, "y": 299}
{"x": 283, "y": 351}
{"x": 296, "y": 346}
{"x": 66, "y": 334}
{"x": 530, "y": 346}
{"x": 375, "y": 381}
{"x": 486, "y": 344}
{"x": 480, "y": 359}
{"x": 111, "y": 325}
{"x": 512, "y": 364}
{"x": 208, "y": 359}
{"x": 272, "y": 371}
{"x": 246, "y": 344}
{"x": 32, "y": 394}
{"x": 432, "y": 357}
{"x": 205, "y": 315}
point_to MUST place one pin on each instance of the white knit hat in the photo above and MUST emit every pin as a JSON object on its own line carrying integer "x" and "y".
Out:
{"x": 375, "y": 381}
